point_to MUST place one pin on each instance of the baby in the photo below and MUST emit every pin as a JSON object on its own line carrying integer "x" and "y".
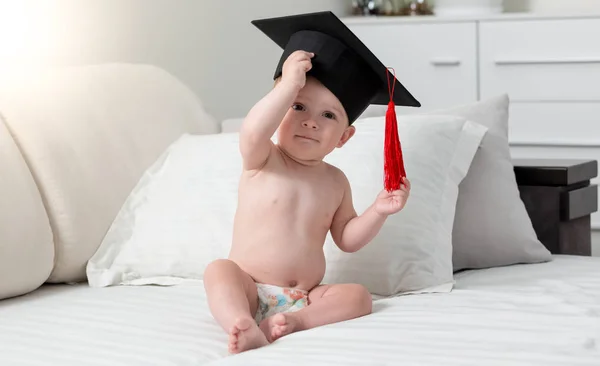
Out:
{"x": 288, "y": 201}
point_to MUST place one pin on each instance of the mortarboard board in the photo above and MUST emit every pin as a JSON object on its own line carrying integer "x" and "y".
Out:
{"x": 344, "y": 65}
{"x": 342, "y": 62}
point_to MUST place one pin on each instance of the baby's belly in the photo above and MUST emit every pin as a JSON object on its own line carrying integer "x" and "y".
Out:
{"x": 284, "y": 264}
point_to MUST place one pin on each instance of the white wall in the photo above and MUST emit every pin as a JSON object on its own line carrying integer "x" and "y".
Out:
{"x": 209, "y": 45}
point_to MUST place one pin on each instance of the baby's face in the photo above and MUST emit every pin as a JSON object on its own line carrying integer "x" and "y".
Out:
{"x": 315, "y": 124}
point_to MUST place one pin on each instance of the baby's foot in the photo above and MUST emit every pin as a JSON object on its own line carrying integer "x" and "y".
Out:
{"x": 278, "y": 325}
{"x": 245, "y": 335}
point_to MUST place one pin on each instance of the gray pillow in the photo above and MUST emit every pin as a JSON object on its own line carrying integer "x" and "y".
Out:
{"x": 491, "y": 226}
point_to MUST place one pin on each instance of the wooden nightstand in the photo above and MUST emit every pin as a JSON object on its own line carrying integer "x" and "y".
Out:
{"x": 559, "y": 199}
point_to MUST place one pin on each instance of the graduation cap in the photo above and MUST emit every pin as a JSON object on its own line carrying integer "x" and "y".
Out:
{"x": 344, "y": 65}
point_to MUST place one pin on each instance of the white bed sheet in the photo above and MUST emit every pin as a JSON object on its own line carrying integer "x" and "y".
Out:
{"x": 543, "y": 314}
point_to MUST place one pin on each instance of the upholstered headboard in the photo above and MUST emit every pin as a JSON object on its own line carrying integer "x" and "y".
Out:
{"x": 72, "y": 146}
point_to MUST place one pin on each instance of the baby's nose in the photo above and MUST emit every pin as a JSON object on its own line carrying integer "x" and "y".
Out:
{"x": 310, "y": 124}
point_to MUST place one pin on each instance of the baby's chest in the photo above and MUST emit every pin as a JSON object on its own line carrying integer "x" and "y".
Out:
{"x": 307, "y": 194}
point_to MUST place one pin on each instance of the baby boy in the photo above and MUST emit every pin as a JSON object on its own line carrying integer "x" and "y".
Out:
{"x": 290, "y": 199}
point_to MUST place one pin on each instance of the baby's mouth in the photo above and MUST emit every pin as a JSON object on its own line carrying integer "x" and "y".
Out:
{"x": 304, "y": 137}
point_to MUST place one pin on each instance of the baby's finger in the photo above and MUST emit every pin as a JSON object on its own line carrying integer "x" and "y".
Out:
{"x": 302, "y": 55}
{"x": 402, "y": 194}
{"x": 306, "y": 65}
{"x": 406, "y": 182}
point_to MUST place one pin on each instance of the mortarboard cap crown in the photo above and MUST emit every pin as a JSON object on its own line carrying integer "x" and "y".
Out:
{"x": 342, "y": 63}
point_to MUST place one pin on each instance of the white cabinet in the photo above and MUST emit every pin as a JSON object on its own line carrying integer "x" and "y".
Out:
{"x": 541, "y": 60}
{"x": 548, "y": 65}
{"x": 438, "y": 71}
{"x": 551, "y": 70}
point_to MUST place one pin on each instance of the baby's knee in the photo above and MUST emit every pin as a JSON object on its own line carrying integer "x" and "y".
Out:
{"x": 362, "y": 299}
{"x": 219, "y": 267}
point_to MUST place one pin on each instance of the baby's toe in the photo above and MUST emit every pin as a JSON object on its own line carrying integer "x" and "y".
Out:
{"x": 278, "y": 331}
{"x": 233, "y": 343}
{"x": 279, "y": 319}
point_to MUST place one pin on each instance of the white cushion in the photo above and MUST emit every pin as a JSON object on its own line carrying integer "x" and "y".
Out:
{"x": 87, "y": 134}
{"x": 178, "y": 218}
{"x": 180, "y": 215}
{"x": 413, "y": 250}
{"x": 26, "y": 247}
{"x": 492, "y": 227}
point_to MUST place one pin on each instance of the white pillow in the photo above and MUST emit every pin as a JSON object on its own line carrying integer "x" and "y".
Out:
{"x": 492, "y": 227}
{"x": 180, "y": 216}
{"x": 177, "y": 219}
{"x": 413, "y": 251}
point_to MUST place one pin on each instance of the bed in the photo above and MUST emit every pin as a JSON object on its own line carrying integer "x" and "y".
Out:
{"x": 59, "y": 147}
{"x": 546, "y": 314}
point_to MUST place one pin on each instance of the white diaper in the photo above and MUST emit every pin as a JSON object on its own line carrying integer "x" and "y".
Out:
{"x": 273, "y": 300}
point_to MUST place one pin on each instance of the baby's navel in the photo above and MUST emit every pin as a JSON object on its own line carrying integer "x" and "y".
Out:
{"x": 293, "y": 283}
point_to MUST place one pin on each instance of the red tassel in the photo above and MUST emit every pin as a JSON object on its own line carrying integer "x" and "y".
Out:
{"x": 393, "y": 165}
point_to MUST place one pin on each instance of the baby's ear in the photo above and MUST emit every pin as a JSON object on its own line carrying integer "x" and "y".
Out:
{"x": 347, "y": 135}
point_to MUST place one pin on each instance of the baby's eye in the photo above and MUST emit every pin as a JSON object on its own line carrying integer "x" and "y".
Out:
{"x": 329, "y": 115}
{"x": 297, "y": 107}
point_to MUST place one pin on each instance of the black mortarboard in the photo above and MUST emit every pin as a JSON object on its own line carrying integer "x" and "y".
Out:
{"x": 342, "y": 62}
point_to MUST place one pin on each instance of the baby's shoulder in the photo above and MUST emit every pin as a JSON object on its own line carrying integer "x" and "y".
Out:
{"x": 336, "y": 174}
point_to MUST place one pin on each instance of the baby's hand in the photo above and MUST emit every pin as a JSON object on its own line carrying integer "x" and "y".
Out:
{"x": 295, "y": 68}
{"x": 388, "y": 203}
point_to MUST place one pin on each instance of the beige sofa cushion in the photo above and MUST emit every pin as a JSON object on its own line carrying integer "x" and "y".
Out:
{"x": 88, "y": 134}
{"x": 26, "y": 249}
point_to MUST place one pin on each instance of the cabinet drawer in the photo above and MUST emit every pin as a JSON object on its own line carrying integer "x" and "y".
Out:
{"x": 547, "y": 60}
{"x": 436, "y": 62}
{"x": 579, "y": 202}
{"x": 548, "y": 123}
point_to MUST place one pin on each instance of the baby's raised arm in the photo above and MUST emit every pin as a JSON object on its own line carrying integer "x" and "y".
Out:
{"x": 264, "y": 118}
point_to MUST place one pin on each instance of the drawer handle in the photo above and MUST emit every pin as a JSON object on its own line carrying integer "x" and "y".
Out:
{"x": 445, "y": 62}
{"x": 583, "y": 60}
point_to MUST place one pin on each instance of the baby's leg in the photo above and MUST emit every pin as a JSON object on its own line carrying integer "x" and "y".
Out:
{"x": 233, "y": 301}
{"x": 328, "y": 304}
